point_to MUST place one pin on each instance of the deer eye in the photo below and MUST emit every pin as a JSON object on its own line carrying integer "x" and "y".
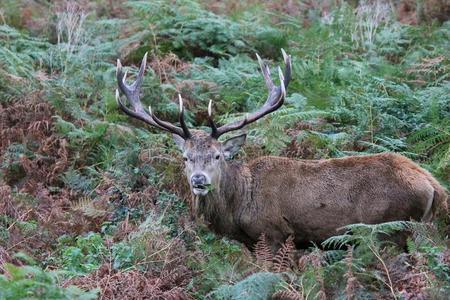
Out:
{"x": 185, "y": 158}
{"x": 217, "y": 156}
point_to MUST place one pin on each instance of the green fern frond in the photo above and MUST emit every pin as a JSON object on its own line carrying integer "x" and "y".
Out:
{"x": 433, "y": 141}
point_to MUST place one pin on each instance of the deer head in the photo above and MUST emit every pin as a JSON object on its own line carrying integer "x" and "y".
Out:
{"x": 204, "y": 155}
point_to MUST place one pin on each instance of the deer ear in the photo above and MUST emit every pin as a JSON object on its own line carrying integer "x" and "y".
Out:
{"x": 179, "y": 141}
{"x": 231, "y": 146}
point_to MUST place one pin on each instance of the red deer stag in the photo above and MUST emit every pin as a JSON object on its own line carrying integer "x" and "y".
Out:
{"x": 279, "y": 196}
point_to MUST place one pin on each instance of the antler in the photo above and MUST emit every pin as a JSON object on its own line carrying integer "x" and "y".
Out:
{"x": 132, "y": 94}
{"x": 275, "y": 99}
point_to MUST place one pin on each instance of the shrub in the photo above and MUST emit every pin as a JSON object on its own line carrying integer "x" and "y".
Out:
{"x": 31, "y": 282}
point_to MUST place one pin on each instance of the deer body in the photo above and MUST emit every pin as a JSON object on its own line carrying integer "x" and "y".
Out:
{"x": 278, "y": 196}
{"x": 310, "y": 200}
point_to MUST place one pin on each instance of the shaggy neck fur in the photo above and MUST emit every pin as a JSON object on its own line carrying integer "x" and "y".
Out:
{"x": 220, "y": 207}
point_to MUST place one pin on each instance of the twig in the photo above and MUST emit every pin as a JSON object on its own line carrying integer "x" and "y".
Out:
{"x": 390, "y": 285}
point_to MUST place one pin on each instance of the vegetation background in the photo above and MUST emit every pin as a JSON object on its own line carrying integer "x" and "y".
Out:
{"x": 94, "y": 204}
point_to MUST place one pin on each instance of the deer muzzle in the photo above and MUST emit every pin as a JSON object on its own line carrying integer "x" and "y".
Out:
{"x": 200, "y": 184}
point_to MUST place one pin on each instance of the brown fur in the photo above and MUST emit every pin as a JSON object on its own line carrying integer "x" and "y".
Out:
{"x": 310, "y": 200}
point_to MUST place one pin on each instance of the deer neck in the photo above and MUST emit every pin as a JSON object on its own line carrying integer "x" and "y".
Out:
{"x": 220, "y": 207}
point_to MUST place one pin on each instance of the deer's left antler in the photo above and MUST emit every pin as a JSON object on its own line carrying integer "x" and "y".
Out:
{"x": 275, "y": 99}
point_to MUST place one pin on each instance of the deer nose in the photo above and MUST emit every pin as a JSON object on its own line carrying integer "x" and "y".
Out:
{"x": 198, "y": 179}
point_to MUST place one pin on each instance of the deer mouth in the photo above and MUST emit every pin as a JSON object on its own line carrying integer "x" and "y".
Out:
{"x": 201, "y": 189}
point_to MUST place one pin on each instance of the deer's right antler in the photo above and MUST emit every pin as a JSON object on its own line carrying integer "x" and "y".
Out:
{"x": 132, "y": 94}
{"x": 274, "y": 100}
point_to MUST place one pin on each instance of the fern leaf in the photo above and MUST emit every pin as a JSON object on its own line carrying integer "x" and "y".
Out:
{"x": 352, "y": 282}
{"x": 263, "y": 253}
{"x": 87, "y": 207}
{"x": 283, "y": 259}
{"x": 287, "y": 295}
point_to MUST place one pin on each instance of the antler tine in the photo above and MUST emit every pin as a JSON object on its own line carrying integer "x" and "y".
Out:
{"x": 274, "y": 100}
{"x": 287, "y": 67}
{"x": 169, "y": 126}
{"x": 265, "y": 72}
{"x": 181, "y": 118}
{"x": 132, "y": 94}
{"x": 211, "y": 120}
{"x": 283, "y": 88}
